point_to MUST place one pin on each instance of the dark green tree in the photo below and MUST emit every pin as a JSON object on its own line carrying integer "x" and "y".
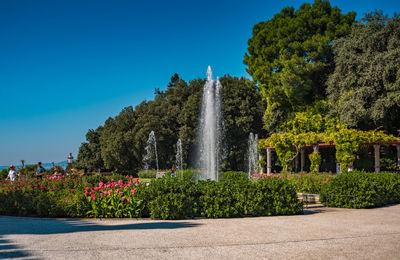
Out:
{"x": 242, "y": 111}
{"x": 173, "y": 114}
{"x": 89, "y": 155}
{"x": 290, "y": 56}
{"x": 365, "y": 86}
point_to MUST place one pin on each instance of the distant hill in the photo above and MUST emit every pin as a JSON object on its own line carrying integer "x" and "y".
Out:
{"x": 45, "y": 165}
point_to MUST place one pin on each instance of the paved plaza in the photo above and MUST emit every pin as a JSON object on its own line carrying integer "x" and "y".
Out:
{"x": 322, "y": 233}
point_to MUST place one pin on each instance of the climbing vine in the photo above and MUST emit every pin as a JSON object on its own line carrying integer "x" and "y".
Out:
{"x": 315, "y": 159}
{"x": 348, "y": 141}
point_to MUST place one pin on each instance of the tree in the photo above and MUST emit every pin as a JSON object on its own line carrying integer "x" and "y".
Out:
{"x": 89, "y": 155}
{"x": 173, "y": 114}
{"x": 242, "y": 114}
{"x": 365, "y": 85}
{"x": 290, "y": 56}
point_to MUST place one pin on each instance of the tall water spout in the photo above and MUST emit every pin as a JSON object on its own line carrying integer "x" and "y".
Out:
{"x": 151, "y": 152}
{"x": 252, "y": 153}
{"x": 179, "y": 156}
{"x": 210, "y": 129}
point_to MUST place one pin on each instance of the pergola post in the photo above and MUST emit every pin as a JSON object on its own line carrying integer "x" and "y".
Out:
{"x": 377, "y": 157}
{"x": 302, "y": 159}
{"x": 350, "y": 167}
{"x": 269, "y": 168}
{"x": 398, "y": 155}
{"x": 259, "y": 165}
{"x": 316, "y": 150}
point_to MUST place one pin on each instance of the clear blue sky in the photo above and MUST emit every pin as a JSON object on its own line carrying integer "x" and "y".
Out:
{"x": 66, "y": 66}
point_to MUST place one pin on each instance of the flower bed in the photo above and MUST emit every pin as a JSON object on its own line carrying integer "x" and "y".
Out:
{"x": 166, "y": 198}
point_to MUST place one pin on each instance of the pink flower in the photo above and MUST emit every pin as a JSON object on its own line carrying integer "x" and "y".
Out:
{"x": 128, "y": 199}
{"x": 109, "y": 192}
{"x": 86, "y": 193}
{"x": 53, "y": 189}
{"x": 93, "y": 196}
{"x": 134, "y": 191}
{"x": 72, "y": 189}
{"x": 123, "y": 198}
{"x": 87, "y": 189}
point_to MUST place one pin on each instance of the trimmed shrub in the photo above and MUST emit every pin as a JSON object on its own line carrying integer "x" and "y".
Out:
{"x": 358, "y": 189}
{"x": 223, "y": 199}
{"x": 238, "y": 197}
{"x": 169, "y": 198}
{"x": 234, "y": 176}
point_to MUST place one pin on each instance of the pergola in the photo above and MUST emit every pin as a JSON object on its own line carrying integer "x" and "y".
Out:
{"x": 316, "y": 148}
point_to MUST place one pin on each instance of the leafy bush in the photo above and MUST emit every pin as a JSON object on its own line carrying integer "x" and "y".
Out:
{"x": 223, "y": 199}
{"x": 235, "y": 176}
{"x": 358, "y": 189}
{"x": 30, "y": 170}
{"x": 189, "y": 173}
{"x": 3, "y": 174}
{"x": 240, "y": 197}
{"x": 170, "y": 198}
{"x": 147, "y": 174}
{"x": 151, "y": 174}
{"x": 309, "y": 182}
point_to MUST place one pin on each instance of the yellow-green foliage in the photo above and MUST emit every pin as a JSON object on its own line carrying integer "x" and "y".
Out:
{"x": 348, "y": 141}
{"x": 315, "y": 159}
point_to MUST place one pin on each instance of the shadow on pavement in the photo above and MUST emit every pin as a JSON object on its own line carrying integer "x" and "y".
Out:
{"x": 37, "y": 226}
{"x": 10, "y": 250}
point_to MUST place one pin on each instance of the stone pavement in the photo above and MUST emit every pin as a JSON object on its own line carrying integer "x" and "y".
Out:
{"x": 322, "y": 233}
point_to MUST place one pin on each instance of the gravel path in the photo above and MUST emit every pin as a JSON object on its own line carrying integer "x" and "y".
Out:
{"x": 322, "y": 233}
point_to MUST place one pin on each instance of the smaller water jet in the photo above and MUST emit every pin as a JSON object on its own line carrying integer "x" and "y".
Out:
{"x": 179, "y": 156}
{"x": 151, "y": 152}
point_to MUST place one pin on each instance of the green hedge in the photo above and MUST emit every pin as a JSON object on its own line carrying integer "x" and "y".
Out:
{"x": 173, "y": 198}
{"x": 358, "y": 189}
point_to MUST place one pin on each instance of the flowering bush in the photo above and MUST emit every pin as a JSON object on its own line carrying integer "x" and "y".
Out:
{"x": 309, "y": 182}
{"x": 114, "y": 199}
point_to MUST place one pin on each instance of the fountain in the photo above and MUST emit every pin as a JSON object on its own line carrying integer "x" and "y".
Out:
{"x": 210, "y": 129}
{"x": 151, "y": 152}
{"x": 252, "y": 153}
{"x": 179, "y": 156}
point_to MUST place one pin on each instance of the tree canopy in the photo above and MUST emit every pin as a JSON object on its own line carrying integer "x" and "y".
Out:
{"x": 365, "y": 85}
{"x": 290, "y": 56}
{"x": 171, "y": 115}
